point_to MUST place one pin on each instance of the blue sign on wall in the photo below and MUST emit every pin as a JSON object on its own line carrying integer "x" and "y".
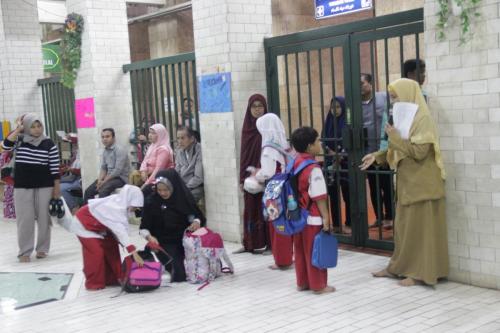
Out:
{"x": 330, "y": 8}
{"x": 215, "y": 92}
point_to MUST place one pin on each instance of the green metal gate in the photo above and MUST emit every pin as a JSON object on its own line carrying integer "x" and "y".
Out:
{"x": 59, "y": 112}
{"x": 305, "y": 70}
{"x": 164, "y": 91}
{"x": 58, "y": 106}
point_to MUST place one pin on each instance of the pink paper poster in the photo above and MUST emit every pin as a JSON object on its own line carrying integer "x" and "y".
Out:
{"x": 84, "y": 111}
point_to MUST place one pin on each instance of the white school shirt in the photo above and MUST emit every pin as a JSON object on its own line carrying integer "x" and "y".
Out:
{"x": 317, "y": 188}
{"x": 268, "y": 164}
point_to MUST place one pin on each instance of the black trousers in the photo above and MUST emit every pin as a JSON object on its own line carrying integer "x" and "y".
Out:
{"x": 176, "y": 267}
{"x": 383, "y": 194}
{"x": 105, "y": 190}
{"x": 336, "y": 202}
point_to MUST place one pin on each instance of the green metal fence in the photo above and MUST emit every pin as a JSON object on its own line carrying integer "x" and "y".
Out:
{"x": 59, "y": 113}
{"x": 164, "y": 91}
{"x": 58, "y": 107}
{"x": 306, "y": 70}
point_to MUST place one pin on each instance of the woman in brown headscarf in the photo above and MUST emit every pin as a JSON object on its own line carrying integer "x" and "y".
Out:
{"x": 254, "y": 228}
{"x": 420, "y": 236}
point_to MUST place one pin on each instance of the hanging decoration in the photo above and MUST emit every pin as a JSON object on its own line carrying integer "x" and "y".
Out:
{"x": 464, "y": 10}
{"x": 71, "y": 49}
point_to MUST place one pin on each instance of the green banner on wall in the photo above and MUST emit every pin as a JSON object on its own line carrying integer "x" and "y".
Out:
{"x": 51, "y": 58}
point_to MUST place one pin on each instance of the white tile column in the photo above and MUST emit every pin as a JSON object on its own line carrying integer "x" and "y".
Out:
{"x": 105, "y": 48}
{"x": 20, "y": 59}
{"x": 228, "y": 37}
{"x": 464, "y": 88}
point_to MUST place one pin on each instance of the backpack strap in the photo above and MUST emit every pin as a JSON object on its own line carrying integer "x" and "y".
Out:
{"x": 302, "y": 166}
{"x": 288, "y": 156}
{"x": 294, "y": 182}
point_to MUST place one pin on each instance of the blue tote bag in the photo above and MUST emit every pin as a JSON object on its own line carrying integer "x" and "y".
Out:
{"x": 325, "y": 251}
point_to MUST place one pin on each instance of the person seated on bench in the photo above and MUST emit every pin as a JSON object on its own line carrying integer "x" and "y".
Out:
{"x": 71, "y": 184}
{"x": 115, "y": 167}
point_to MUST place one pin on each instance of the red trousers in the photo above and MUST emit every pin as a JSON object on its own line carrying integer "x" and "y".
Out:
{"x": 281, "y": 246}
{"x": 101, "y": 262}
{"x": 308, "y": 276}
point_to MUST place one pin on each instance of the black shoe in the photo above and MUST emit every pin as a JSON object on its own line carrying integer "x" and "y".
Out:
{"x": 60, "y": 209}
{"x": 53, "y": 207}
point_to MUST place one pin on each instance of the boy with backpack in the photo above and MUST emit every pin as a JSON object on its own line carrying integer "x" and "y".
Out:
{"x": 313, "y": 196}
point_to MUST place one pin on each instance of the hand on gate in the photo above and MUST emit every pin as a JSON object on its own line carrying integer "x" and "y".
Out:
{"x": 367, "y": 160}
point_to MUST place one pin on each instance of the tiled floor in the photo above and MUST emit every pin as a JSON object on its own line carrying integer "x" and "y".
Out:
{"x": 255, "y": 299}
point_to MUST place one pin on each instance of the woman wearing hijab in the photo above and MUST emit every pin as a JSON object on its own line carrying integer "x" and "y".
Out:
{"x": 275, "y": 149}
{"x": 159, "y": 155}
{"x": 36, "y": 181}
{"x": 255, "y": 235}
{"x": 168, "y": 212}
{"x": 335, "y": 158}
{"x": 421, "y": 246}
{"x": 139, "y": 137}
{"x": 105, "y": 224}
{"x": 9, "y": 211}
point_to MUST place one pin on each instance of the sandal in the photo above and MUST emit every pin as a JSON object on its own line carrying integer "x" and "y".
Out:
{"x": 41, "y": 255}
{"x": 24, "y": 259}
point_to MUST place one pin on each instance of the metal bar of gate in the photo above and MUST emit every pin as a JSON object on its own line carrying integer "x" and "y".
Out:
{"x": 298, "y": 87}
{"x": 195, "y": 95}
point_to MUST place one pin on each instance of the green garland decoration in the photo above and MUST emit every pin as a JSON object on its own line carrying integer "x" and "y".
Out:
{"x": 468, "y": 11}
{"x": 71, "y": 51}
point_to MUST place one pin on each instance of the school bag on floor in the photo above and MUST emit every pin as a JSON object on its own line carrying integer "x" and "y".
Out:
{"x": 280, "y": 201}
{"x": 145, "y": 278}
{"x": 205, "y": 256}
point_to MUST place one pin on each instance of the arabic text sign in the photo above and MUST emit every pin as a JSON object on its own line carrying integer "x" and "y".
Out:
{"x": 84, "y": 111}
{"x": 330, "y": 8}
{"x": 215, "y": 92}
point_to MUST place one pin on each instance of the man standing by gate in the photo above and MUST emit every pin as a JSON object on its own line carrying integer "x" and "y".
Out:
{"x": 374, "y": 105}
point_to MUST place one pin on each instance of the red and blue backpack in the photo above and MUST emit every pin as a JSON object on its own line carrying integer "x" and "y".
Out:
{"x": 280, "y": 201}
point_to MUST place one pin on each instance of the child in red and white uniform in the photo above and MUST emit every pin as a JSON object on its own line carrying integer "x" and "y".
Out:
{"x": 105, "y": 224}
{"x": 275, "y": 148}
{"x": 311, "y": 186}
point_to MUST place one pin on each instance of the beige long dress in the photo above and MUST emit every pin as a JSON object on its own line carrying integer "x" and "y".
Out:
{"x": 420, "y": 235}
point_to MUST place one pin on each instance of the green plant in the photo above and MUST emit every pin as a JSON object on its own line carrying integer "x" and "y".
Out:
{"x": 71, "y": 51}
{"x": 468, "y": 11}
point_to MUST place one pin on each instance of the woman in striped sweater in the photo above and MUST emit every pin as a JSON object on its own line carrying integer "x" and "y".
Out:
{"x": 36, "y": 181}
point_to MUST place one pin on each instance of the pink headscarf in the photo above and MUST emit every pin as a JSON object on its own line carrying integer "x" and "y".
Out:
{"x": 163, "y": 142}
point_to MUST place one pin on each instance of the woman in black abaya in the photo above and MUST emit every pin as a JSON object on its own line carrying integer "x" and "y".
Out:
{"x": 167, "y": 213}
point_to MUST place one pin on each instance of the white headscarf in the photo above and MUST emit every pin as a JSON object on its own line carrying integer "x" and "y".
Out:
{"x": 273, "y": 135}
{"x": 272, "y": 131}
{"x": 112, "y": 211}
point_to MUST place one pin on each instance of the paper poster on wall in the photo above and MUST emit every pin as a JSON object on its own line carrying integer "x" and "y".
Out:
{"x": 215, "y": 92}
{"x": 84, "y": 112}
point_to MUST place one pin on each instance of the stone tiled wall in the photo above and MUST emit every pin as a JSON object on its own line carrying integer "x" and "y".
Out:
{"x": 21, "y": 59}
{"x": 105, "y": 48}
{"x": 228, "y": 37}
{"x": 464, "y": 89}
